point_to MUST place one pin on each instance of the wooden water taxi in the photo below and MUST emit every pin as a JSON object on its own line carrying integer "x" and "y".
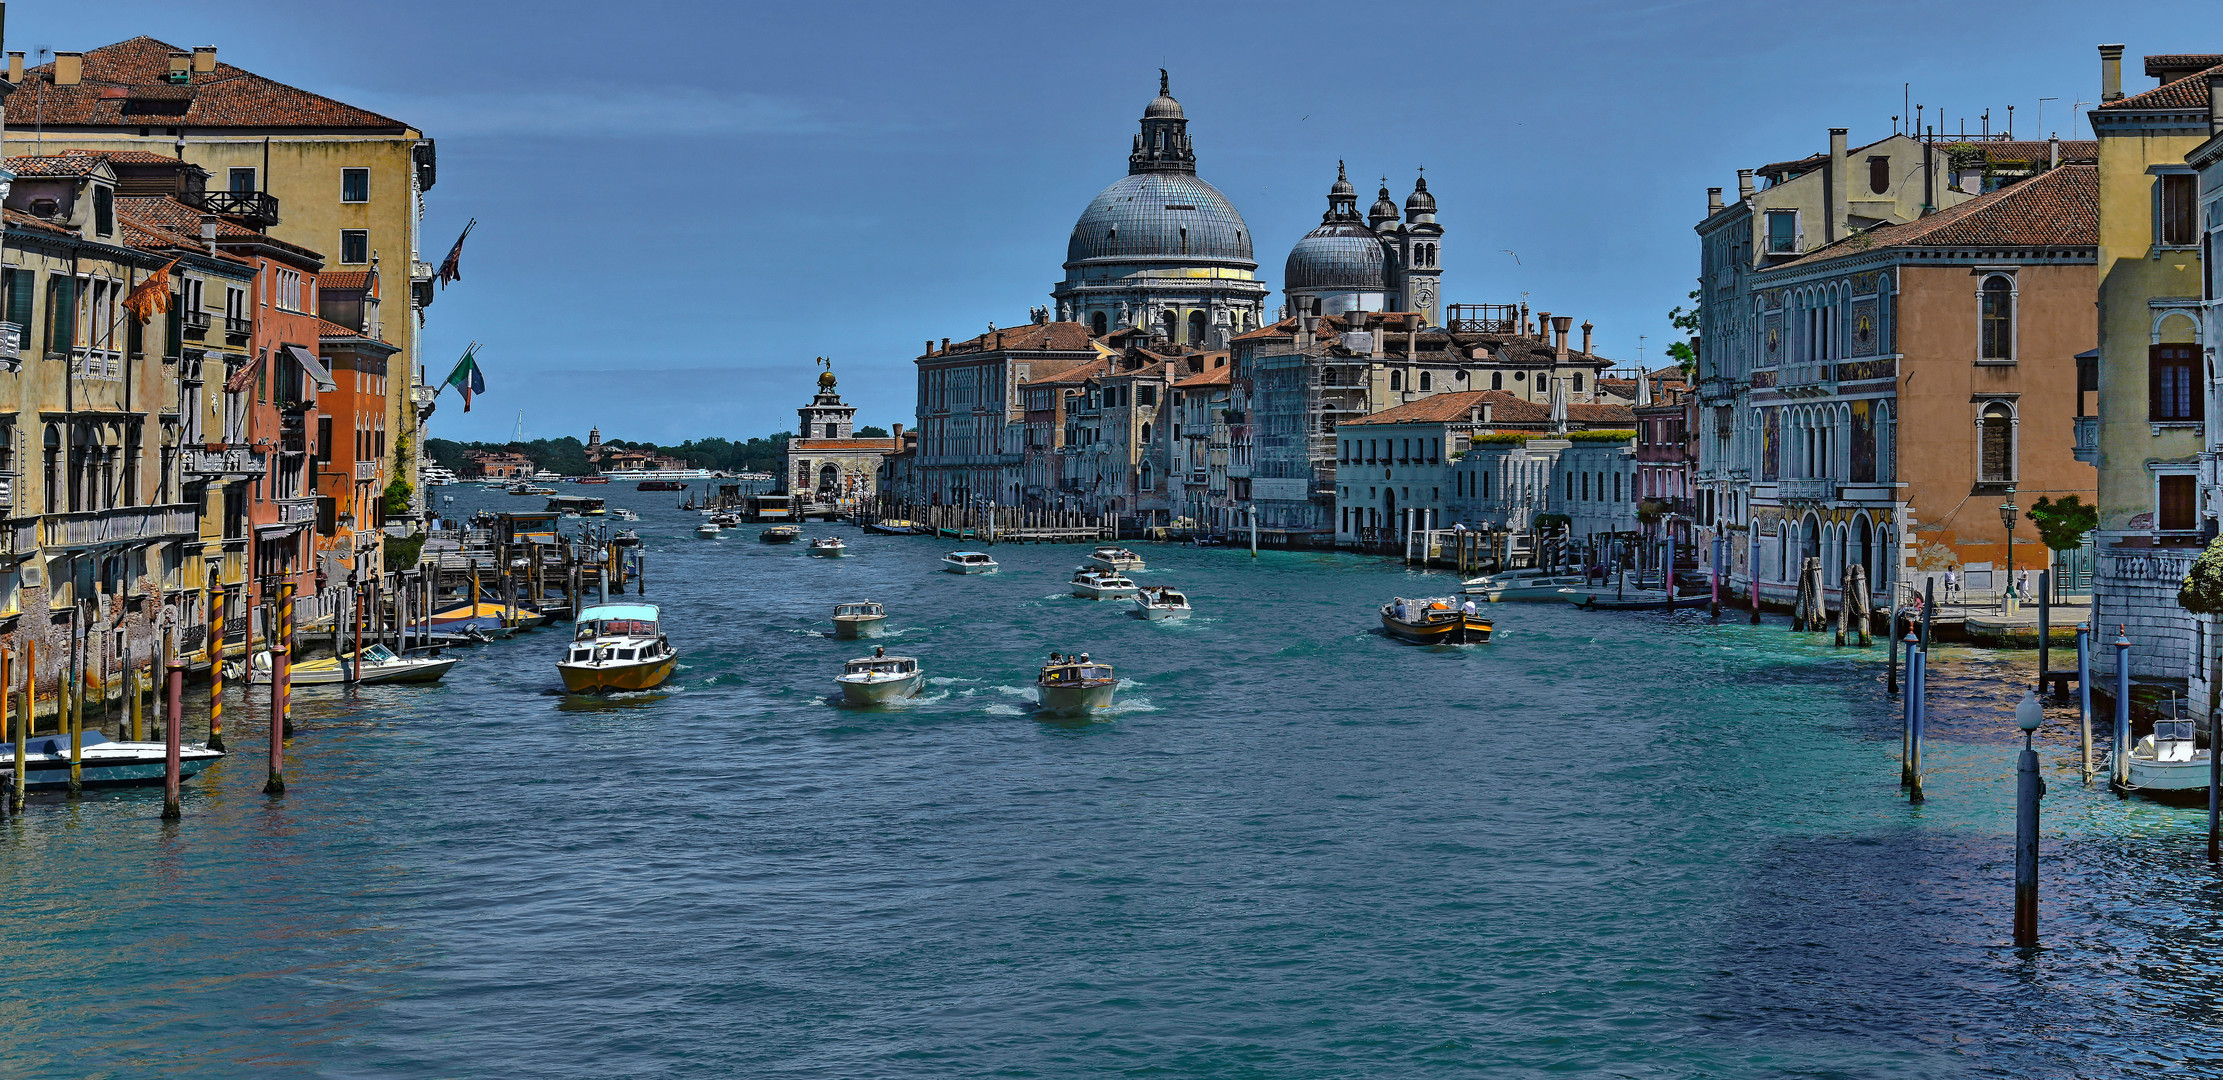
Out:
{"x": 859, "y": 619}
{"x": 581, "y": 505}
{"x": 968, "y": 562}
{"x": 781, "y": 534}
{"x": 617, "y": 647}
{"x": 1434, "y": 621}
{"x": 879, "y": 678}
{"x": 1093, "y": 583}
{"x": 828, "y": 547}
{"x": 1075, "y": 684}
{"x": 896, "y": 527}
{"x": 1160, "y": 603}
{"x": 103, "y": 762}
{"x": 1117, "y": 559}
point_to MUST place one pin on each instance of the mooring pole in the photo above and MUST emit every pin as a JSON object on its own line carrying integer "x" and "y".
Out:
{"x": 173, "y": 734}
{"x": 2045, "y": 627}
{"x": 2029, "y": 788}
{"x": 1752, "y": 566}
{"x": 73, "y": 705}
{"x": 1891, "y": 638}
{"x": 1906, "y": 713}
{"x": 276, "y": 785}
{"x": 285, "y": 626}
{"x": 216, "y": 667}
{"x": 2084, "y": 695}
{"x": 22, "y": 730}
{"x": 1918, "y": 675}
{"x": 2118, "y": 757}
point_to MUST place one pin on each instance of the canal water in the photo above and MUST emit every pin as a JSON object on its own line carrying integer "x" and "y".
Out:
{"x": 1630, "y": 845}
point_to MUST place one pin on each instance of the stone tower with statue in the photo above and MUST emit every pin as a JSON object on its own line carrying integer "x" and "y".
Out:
{"x": 828, "y": 466}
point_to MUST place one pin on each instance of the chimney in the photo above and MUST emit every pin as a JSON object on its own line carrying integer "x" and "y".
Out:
{"x": 1713, "y": 201}
{"x": 2111, "y": 73}
{"x": 204, "y": 58}
{"x": 1586, "y": 337}
{"x": 208, "y": 227}
{"x": 180, "y": 63}
{"x": 929, "y": 346}
{"x": 1560, "y": 324}
{"x": 1744, "y": 183}
{"x": 2215, "y": 108}
{"x": 69, "y": 68}
{"x": 1840, "y": 206}
{"x": 2053, "y": 143}
{"x": 1543, "y": 324}
{"x": 945, "y": 344}
{"x": 15, "y": 68}
{"x": 898, "y": 433}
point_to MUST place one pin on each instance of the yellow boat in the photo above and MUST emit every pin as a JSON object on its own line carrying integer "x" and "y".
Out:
{"x": 1434, "y": 621}
{"x": 617, "y": 647}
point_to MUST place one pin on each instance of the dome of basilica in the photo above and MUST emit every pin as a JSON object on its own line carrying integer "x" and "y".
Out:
{"x": 1339, "y": 255}
{"x": 1159, "y": 216}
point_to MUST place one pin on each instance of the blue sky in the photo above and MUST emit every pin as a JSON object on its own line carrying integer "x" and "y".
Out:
{"x": 680, "y": 204}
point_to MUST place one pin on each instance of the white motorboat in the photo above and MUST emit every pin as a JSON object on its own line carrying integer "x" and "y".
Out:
{"x": 1532, "y": 585}
{"x": 104, "y": 762}
{"x": 1117, "y": 559}
{"x": 379, "y": 665}
{"x": 708, "y": 530}
{"x": 2168, "y": 760}
{"x": 828, "y": 547}
{"x": 968, "y": 562}
{"x": 1160, "y": 603}
{"x": 622, "y": 514}
{"x": 1075, "y": 684}
{"x": 879, "y": 678}
{"x": 1090, "y": 583}
{"x": 859, "y": 619}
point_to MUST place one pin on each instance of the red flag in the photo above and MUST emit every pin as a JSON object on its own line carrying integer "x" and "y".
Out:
{"x": 451, "y": 268}
{"x": 239, "y": 383}
{"x": 150, "y": 296}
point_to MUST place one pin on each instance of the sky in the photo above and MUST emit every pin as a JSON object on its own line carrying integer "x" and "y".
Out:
{"x": 680, "y": 205}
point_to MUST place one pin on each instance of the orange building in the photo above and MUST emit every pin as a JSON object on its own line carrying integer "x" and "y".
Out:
{"x": 352, "y": 469}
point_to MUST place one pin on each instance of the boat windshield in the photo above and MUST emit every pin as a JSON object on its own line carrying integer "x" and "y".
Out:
{"x": 1073, "y": 673}
{"x": 377, "y": 654}
{"x": 881, "y": 667}
{"x": 2174, "y": 731}
{"x": 857, "y": 609}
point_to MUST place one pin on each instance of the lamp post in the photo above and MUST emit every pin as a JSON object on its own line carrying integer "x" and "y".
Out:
{"x": 2008, "y": 511}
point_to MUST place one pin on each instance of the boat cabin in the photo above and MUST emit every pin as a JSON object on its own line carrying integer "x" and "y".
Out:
{"x": 881, "y": 665}
{"x": 583, "y": 505}
{"x": 527, "y": 527}
{"x": 860, "y": 610}
{"x": 616, "y": 620}
{"x": 1075, "y": 673}
{"x": 770, "y": 508}
{"x": 969, "y": 558}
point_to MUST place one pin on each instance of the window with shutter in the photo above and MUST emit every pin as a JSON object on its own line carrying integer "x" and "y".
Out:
{"x": 61, "y": 313}
{"x": 2179, "y": 498}
{"x": 2180, "y": 215}
{"x": 2173, "y": 385}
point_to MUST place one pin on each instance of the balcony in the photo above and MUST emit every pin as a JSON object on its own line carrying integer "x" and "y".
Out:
{"x": 1482, "y": 318}
{"x": 296, "y": 511}
{"x": 195, "y": 324}
{"x": 1807, "y": 489}
{"x": 237, "y": 330}
{"x": 11, "y": 343}
{"x": 236, "y": 462}
{"x": 253, "y": 207}
{"x": 122, "y": 525}
{"x": 366, "y": 470}
{"x": 96, "y": 363}
{"x": 2087, "y": 439}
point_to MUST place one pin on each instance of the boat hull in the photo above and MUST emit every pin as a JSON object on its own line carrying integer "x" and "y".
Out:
{"x": 1090, "y": 592}
{"x": 1159, "y": 614}
{"x": 829, "y": 553}
{"x": 962, "y": 568}
{"x": 595, "y": 678}
{"x": 1071, "y": 700}
{"x": 880, "y": 693}
{"x": 107, "y": 764}
{"x": 1468, "y": 630}
{"x": 2151, "y": 777}
{"x": 858, "y": 626}
{"x": 326, "y": 673}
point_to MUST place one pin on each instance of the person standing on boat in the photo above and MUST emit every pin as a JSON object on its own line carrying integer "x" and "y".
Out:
{"x": 1467, "y": 609}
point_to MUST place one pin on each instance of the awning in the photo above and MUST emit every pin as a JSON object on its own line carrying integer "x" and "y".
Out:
{"x": 313, "y": 368}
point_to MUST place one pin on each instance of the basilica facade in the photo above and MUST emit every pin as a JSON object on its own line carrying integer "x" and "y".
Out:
{"x": 1374, "y": 263}
{"x": 1162, "y": 249}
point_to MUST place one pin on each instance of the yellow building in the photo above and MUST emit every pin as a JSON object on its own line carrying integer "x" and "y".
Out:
{"x": 2147, "y": 437}
{"x": 326, "y": 176}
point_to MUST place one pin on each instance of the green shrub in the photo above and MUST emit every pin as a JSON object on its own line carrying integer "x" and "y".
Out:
{"x": 397, "y": 498}
{"x": 402, "y": 551}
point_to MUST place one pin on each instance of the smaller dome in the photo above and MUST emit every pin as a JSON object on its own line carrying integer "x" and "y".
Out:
{"x": 1419, "y": 202}
{"x": 1342, "y": 184}
{"x": 1337, "y": 256}
{"x": 1163, "y": 106}
{"x": 1383, "y": 207}
{"x": 825, "y": 380}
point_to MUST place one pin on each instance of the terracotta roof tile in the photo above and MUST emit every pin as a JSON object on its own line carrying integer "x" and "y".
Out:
{"x": 171, "y": 214}
{"x": 55, "y": 165}
{"x": 227, "y": 97}
{"x": 1505, "y": 408}
{"x": 127, "y": 157}
{"x": 2161, "y": 64}
{"x": 1026, "y": 337}
{"x": 1219, "y": 376}
{"x": 345, "y": 279}
{"x": 1075, "y": 375}
{"x": 17, "y": 219}
{"x": 2039, "y": 150}
{"x": 2190, "y": 92}
{"x": 2056, "y": 207}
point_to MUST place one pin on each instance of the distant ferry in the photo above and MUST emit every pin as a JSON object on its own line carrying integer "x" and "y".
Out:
{"x": 659, "y": 474}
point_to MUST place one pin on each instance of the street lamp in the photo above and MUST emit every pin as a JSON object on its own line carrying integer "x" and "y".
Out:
{"x": 2008, "y": 511}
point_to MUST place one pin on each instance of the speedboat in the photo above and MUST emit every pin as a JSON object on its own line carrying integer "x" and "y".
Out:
{"x": 780, "y": 534}
{"x": 1541, "y": 585}
{"x": 1116, "y": 558}
{"x": 378, "y": 665}
{"x": 485, "y": 616}
{"x": 622, "y": 514}
{"x": 1075, "y": 684}
{"x": 1593, "y": 599}
{"x": 2168, "y": 761}
{"x": 617, "y": 647}
{"x": 828, "y": 547}
{"x": 1434, "y": 621}
{"x": 1090, "y": 583}
{"x": 708, "y": 530}
{"x": 103, "y": 762}
{"x": 895, "y": 527}
{"x": 879, "y": 678}
{"x": 1160, "y": 603}
{"x": 626, "y": 538}
{"x": 968, "y": 562}
{"x": 861, "y": 618}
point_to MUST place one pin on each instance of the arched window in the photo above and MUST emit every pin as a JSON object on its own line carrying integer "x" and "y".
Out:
{"x": 1997, "y": 307}
{"x": 1196, "y": 328}
{"x": 1998, "y": 431}
{"x": 1426, "y": 381}
{"x": 1096, "y": 324}
{"x": 53, "y": 469}
{"x": 1397, "y": 380}
{"x": 1497, "y": 380}
{"x": 1146, "y": 434}
{"x": 1172, "y": 325}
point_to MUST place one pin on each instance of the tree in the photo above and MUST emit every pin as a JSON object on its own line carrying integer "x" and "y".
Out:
{"x": 872, "y": 431}
{"x": 2202, "y": 590}
{"x": 2062, "y": 525}
{"x": 1687, "y": 321}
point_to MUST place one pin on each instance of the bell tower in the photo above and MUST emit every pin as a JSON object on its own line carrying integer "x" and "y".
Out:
{"x": 826, "y": 417}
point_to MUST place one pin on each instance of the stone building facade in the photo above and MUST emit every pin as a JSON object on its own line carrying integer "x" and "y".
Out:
{"x": 827, "y": 463}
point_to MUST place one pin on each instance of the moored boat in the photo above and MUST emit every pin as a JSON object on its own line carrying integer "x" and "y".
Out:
{"x": 895, "y": 527}
{"x": 968, "y": 562}
{"x": 2169, "y": 763}
{"x": 828, "y": 547}
{"x": 378, "y": 666}
{"x": 1116, "y": 558}
{"x": 103, "y": 762}
{"x": 617, "y": 647}
{"x": 1091, "y": 583}
{"x": 1592, "y": 599}
{"x": 485, "y": 616}
{"x": 583, "y": 505}
{"x": 1160, "y": 603}
{"x": 781, "y": 534}
{"x": 1434, "y": 621}
{"x": 859, "y": 618}
{"x": 1531, "y": 585}
{"x": 1075, "y": 684}
{"x": 659, "y": 485}
{"x": 879, "y": 678}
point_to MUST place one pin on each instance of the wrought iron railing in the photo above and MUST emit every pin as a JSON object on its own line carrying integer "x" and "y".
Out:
{"x": 256, "y": 207}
